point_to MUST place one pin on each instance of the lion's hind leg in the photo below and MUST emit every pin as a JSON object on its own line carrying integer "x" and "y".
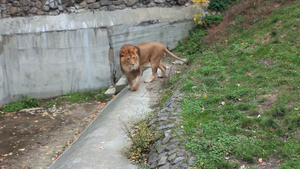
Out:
{"x": 154, "y": 73}
{"x": 163, "y": 70}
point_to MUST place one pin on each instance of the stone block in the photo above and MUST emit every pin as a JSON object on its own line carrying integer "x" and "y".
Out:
{"x": 110, "y": 91}
{"x": 121, "y": 84}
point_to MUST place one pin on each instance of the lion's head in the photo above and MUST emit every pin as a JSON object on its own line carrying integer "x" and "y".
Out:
{"x": 129, "y": 58}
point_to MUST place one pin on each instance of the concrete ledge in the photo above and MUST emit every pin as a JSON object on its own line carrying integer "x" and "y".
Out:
{"x": 96, "y": 19}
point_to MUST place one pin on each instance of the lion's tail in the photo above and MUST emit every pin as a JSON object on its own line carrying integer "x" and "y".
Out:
{"x": 174, "y": 56}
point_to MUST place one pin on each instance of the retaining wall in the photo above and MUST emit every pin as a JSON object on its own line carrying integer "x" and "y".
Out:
{"x": 47, "y": 56}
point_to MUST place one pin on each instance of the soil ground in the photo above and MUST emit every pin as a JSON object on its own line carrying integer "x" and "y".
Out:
{"x": 35, "y": 138}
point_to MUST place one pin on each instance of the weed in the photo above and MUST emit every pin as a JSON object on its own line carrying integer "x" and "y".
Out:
{"x": 142, "y": 139}
{"x": 24, "y": 104}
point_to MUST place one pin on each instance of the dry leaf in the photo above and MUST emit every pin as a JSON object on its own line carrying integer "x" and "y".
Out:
{"x": 260, "y": 160}
{"x": 22, "y": 149}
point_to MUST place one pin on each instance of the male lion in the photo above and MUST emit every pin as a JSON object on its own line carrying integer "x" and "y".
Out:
{"x": 133, "y": 58}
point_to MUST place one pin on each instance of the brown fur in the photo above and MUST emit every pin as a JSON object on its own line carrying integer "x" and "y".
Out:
{"x": 133, "y": 58}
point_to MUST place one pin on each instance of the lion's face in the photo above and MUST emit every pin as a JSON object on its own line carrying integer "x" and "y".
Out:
{"x": 129, "y": 58}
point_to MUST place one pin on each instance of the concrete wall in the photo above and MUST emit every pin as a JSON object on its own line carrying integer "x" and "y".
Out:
{"x": 46, "y": 56}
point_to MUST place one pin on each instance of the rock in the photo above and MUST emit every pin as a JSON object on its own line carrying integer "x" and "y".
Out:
{"x": 191, "y": 160}
{"x": 159, "y": 1}
{"x": 178, "y": 62}
{"x": 25, "y": 2}
{"x": 152, "y": 4}
{"x": 83, "y": 4}
{"x": 111, "y": 7}
{"x": 153, "y": 158}
{"x": 162, "y": 160}
{"x": 178, "y": 159}
{"x": 16, "y": 3}
{"x": 63, "y": 1}
{"x": 45, "y": 8}
{"x": 172, "y": 146}
{"x": 53, "y": 4}
{"x": 166, "y": 139}
{"x": 33, "y": 10}
{"x": 163, "y": 118}
{"x": 26, "y": 8}
{"x": 163, "y": 114}
{"x": 161, "y": 148}
{"x": 184, "y": 165}
{"x": 130, "y": 3}
{"x": 53, "y": 13}
{"x": 120, "y": 7}
{"x": 78, "y": 1}
{"x": 95, "y": 5}
{"x": 38, "y": 4}
{"x": 118, "y": 2}
{"x": 90, "y": 1}
{"x": 166, "y": 166}
{"x": 14, "y": 10}
{"x": 172, "y": 152}
{"x": 105, "y": 2}
{"x": 71, "y": 9}
{"x": 61, "y": 8}
{"x": 172, "y": 157}
{"x": 180, "y": 153}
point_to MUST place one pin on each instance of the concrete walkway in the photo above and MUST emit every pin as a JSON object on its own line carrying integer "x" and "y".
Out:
{"x": 100, "y": 145}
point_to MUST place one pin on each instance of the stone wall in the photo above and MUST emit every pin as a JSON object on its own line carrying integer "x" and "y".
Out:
{"x": 13, "y": 8}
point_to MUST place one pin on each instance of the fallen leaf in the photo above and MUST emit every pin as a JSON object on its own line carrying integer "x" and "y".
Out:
{"x": 22, "y": 149}
{"x": 177, "y": 72}
{"x": 260, "y": 160}
{"x": 205, "y": 95}
{"x": 271, "y": 128}
{"x": 223, "y": 103}
{"x": 238, "y": 85}
{"x": 54, "y": 115}
{"x": 47, "y": 153}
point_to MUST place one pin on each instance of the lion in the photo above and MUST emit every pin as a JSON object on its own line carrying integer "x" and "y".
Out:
{"x": 134, "y": 58}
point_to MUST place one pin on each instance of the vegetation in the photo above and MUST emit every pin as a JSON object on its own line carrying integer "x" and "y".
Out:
{"x": 66, "y": 98}
{"x": 24, "y": 104}
{"x": 220, "y": 5}
{"x": 242, "y": 93}
{"x": 142, "y": 138}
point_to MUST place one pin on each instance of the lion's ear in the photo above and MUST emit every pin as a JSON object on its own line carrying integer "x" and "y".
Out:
{"x": 122, "y": 54}
{"x": 133, "y": 50}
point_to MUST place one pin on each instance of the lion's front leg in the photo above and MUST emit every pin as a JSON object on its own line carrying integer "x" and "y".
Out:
{"x": 130, "y": 82}
{"x": 137, "y": 83}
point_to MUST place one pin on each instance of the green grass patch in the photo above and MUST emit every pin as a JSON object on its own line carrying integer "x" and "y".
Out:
{"x": 243, "y": 95}
{"x": 80, "y": 97}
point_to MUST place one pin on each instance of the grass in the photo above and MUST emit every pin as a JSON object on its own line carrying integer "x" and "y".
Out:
{"x": 243, "y": 93}
{"x": 66, "y": 98}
